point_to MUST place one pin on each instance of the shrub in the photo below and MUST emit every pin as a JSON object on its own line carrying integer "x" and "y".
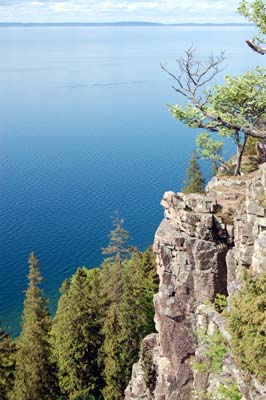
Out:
{"x": 213, "y": 355}
{"x": 247, "y": 326}
{"x": 230, "y": 391}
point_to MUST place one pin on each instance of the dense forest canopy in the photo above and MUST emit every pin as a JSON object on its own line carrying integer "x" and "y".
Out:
{"x": 87, "y": 350}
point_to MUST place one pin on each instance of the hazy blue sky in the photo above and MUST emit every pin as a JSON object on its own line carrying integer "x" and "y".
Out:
{"x": 118, "y": 10}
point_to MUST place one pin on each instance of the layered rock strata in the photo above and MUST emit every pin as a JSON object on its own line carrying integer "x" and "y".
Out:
{"x": 202, "y": 247}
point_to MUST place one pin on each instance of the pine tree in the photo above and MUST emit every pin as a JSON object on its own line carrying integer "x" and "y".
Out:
{"x": 112, "y": 355}
{"x": 7, "y": 364}
{"x": 194, "y": 182}
{"x": 127, "y": 322}
{"x": 76, "y": 337}
{"x": 149, "y": 267}
{"x": 34, "y": 372}
{"x": 116, "y": 251}
{"x": 111, "y": 294}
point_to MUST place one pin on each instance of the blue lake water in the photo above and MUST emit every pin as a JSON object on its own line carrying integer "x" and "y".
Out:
{"x": 85, "y": 131}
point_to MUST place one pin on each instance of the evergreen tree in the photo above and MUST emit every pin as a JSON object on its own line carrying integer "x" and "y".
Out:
{"x": 116, "y": 251}
{"x": 194, "y": 182}
{"x": 7, "y": 364}
{"x": 76, "y": 337}
{"x": 111, "y": 294}
{"x": 128, "y": 321}
{"x": 34, "y": 372}
{"x": 112, "y": 355}
{"x": 136, "y": 315}
{"x": 149, "y": 268}
{"x": 118, "y": 237}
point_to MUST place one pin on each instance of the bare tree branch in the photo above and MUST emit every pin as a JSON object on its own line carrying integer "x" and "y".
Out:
{"x": 258, "y": 49}
{"x": 192, "y": 76}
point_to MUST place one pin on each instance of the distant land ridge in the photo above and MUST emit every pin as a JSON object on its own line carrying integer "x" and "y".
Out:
{"x": 115, "y": 24}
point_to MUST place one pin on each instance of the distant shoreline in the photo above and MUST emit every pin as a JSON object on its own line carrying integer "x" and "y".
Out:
{"x": 112, "y": 24}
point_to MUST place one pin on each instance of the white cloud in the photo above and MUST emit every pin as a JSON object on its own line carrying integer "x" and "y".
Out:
{"x": 117, "y": 10}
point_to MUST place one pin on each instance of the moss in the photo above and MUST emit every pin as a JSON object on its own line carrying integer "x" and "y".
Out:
{"x": 220, "y": 303}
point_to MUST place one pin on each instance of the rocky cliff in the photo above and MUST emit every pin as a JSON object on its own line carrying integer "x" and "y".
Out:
{"x": 203, "y": 245}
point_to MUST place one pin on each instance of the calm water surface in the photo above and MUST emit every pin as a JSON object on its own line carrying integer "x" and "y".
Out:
{"x": 85, "y": 131}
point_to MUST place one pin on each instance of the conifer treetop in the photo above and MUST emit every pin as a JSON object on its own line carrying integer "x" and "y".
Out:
{"x": 194, "y": 181}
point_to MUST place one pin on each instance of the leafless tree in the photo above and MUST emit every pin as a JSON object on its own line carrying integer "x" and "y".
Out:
{"x": 192, "y": 76}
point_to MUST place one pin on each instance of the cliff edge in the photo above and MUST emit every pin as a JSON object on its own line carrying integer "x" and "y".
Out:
{"x": 202, "y": 246}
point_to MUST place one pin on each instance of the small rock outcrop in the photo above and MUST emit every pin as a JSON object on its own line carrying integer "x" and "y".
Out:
{"x": 202, "y": 247}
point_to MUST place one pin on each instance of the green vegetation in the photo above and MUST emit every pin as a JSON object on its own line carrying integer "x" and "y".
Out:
{"x": 113, "y": 287}
{"x": 230, "y": 108}
{"x": 129, "y": 309}
{"x": 247, "y": 326}
{"x": 76, "y": 337}
{"x": 246, "y": 321}
{"x": 220, "y": 302}
{"x": 87, "y": 351}
{"x": 230, "y": 391}
{"x": 35, "y": 376}
{"x": 211, "y": 150}
{"x": 194, "y": 182}
{"x": 235, "y": 109}
{"x": 150, "y": 370}
{"x": 251, "y": 157}
{"x": 255, "y": 11}
{"x": 7, "y": 364}
{"x": 211, "y": 362}
{"x": 215, "y": 350}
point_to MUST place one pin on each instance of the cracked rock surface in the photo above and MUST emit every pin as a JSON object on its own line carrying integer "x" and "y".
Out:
{"x": 202, "y": 247}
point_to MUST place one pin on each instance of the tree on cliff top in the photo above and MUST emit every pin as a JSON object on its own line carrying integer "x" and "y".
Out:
{"x": 35, "y": 377}
{"x": 236, "y": 109}
{"x": 194, "y": 181}
{"x": 255, "y": 11}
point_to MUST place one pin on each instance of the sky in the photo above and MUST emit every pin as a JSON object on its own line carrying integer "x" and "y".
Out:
{"x": 164, "y": 11}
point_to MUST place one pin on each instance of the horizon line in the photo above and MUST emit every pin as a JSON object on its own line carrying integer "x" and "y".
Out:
{"x": 123, "y": 23}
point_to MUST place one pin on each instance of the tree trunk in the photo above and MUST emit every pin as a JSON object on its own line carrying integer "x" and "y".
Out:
{"x": 240, "y": 152}
{"x": 255, "y": 47}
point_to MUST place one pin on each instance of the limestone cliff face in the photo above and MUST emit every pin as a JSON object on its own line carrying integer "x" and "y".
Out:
{"x": 202, "y": 247}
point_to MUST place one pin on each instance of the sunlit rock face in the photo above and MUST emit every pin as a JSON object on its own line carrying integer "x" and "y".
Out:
{"x": 202, "y": 246}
